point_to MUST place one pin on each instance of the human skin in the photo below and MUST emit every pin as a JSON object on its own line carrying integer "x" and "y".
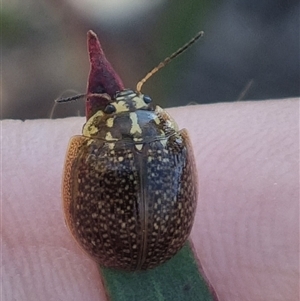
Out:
{"x": 246, "y": 232}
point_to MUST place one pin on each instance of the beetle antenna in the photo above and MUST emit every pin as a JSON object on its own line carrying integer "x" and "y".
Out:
{"x": 72, "y": 98}
{"x": 167, "y": 60}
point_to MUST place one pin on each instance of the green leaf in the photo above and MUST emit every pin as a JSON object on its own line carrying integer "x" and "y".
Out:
{"x": 176, "y": 280}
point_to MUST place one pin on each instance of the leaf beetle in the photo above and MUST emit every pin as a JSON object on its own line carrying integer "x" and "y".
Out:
{"x": 129, "y": 183}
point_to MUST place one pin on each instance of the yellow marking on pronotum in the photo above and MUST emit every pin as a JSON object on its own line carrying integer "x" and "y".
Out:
{"x": 135, "y": 127}
{"x": 156, "y": 120}
{"x": 109, "y": 136}
{"x": 90, "y": 128}
{"x": 170, "y": 122}
{"x": 121, "y": 106}
{"x": 110, "y": 122}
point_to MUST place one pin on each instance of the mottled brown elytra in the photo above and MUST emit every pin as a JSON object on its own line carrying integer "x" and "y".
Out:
{"x": 129, "y": 182}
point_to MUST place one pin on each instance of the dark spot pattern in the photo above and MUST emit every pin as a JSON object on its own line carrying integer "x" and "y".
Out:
{"x": 104, "y": 213}
{"x": 132, "y": 210}
{"x": 170, "y": 194}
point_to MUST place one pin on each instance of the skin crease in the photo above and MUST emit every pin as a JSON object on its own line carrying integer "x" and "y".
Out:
{"x": 246, "y": 232}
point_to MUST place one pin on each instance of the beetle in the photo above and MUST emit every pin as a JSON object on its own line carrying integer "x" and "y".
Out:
{"x": 130, "y": 182}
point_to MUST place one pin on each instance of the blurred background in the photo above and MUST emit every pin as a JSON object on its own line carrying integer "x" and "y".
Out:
{"x": 250, "y": 51}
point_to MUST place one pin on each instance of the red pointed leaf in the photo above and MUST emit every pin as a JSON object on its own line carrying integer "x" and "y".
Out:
{"x": 102, "y": 78}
